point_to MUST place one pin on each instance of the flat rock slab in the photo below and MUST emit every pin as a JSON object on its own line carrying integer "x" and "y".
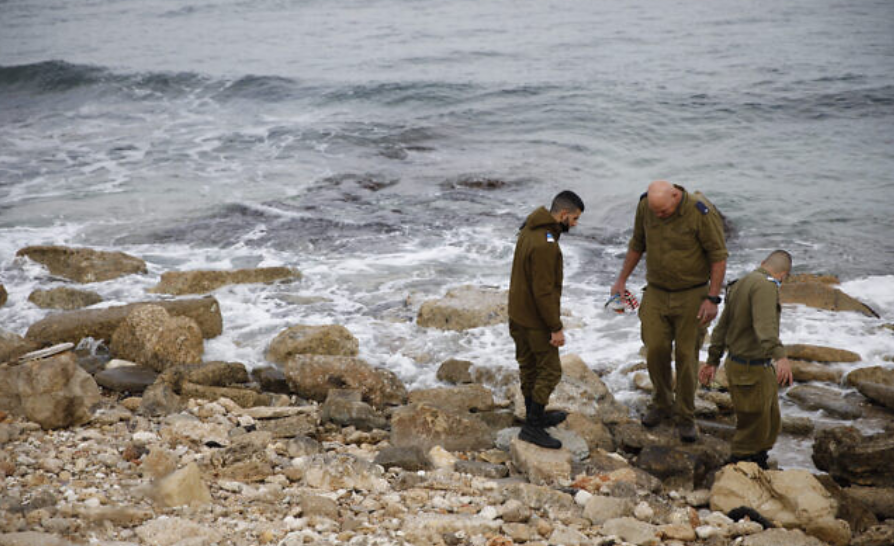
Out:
{"x": 64, "y": 298}
{"x": 73, "y": 326}
{"x": 822, "y": 296}
{"x": 84, "y": 264}
{"x": 179, "y": 283}
{"x": 818, "y": 353}
{"x": 812, "y": 398}
{"x": 464, "y": 308}
{"x": 851, "y": 457}
{"x": 875, "y": 383}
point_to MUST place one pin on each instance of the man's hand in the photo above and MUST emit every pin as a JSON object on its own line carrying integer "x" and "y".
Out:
{"x": 707, "y": 312}
{"x": 557, "y": 339}
{"x": 706, "y": 374}
{"x": 619, "y": 288}
{"x": 784, "y": 372}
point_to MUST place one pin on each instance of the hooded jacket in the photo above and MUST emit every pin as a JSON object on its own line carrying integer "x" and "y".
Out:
{"x": 535, "y": 288}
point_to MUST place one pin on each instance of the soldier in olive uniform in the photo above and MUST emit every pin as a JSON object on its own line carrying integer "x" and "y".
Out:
{"x": 535, "y": 291}
{"x": 682, "y": 237}
{"x": 749, "y": 329}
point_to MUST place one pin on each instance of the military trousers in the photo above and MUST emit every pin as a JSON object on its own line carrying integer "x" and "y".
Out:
{"x": 755, "y": 395}
{"x": 538, "y": 362}
{"x": 670, "y": 325}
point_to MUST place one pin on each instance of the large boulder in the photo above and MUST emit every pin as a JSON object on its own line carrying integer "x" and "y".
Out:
{"x": 541, "y": 465}
{"x": 455, "y": 371}
{"x": 131, "y": 379}
{"x": 674, "y": 467}
{"x": 852, "y": 458}
{"x": 850, "y": 509}
{"x": 73, "y": 326}
{"x": 461, "y": 399}
{"x": 312, "y": 376}
{"x": 346, "y": 408}
{"x": 804, "y": 371}
{"x": 332, "y": 340}
{"x": 813, "y": 397}
{"x": 792, "y": 498}
{"x": 464, "y": 308}
{"x": 875, "y": 383}
{"x": 822, "y": 296}
{"x": 151, "y": 337}
{"x": 12, "y": 346}
{"x": 427, "y": 426}
{"x": 180, "y": 283}
{"x": 64, "y": 297}
{"x": 880, "y": 500}
{"x": 818, "y": 353}
{"x": 84, "y": 264}
{"x": 54, "y": 392}
{"x": 579, "y": 391}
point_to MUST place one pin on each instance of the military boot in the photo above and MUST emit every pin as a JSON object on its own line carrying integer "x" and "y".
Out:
{"x": 550, "y": 418}
{"x": 653, "y": 417}
{"x": 533, "y": 430}
{"x": 688, "y": 432}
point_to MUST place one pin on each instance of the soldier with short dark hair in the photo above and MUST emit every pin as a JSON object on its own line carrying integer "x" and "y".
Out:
{"x": 681, "y": 235}
{"x": 749, "y": 329}
{"x": 535, "y": 292}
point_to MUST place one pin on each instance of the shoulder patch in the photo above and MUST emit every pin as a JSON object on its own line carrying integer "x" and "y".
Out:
{"x": 774, "y": 281}
{"x": 550, "y": 238}
{"x": 644, "y": 195}
{"x": 702, "y": 208}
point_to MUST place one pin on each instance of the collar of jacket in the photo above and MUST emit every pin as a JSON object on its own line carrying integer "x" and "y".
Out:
{"x": 541, "y": 218}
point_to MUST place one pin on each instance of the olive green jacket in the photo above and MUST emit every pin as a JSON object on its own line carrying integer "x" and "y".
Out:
{"x": 749, "y": 324}
{"x": 679, "y": 249}
{"x": 535, "y": 288}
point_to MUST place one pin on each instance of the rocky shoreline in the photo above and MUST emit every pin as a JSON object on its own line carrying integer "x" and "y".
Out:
{"x": 139, "y": 441}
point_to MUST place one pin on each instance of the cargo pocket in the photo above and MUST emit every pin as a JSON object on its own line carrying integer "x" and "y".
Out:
{"x": 746, "y": 391}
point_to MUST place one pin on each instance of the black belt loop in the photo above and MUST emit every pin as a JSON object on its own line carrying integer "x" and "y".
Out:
{"x": 756, "y": 362}
{"x": 659, "y": 287}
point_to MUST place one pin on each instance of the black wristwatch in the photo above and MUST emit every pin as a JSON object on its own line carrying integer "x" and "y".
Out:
{"x": 714, "y": 299}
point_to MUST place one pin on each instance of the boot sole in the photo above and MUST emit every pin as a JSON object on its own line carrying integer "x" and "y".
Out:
{"x": 530, "y": 440}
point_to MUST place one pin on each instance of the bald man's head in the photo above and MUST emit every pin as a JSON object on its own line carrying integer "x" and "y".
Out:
{"x": 663, "y": 198}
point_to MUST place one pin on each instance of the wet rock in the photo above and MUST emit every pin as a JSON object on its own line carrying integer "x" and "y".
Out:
{"x": 850, "y": 509}
{"x": 880, "y": 500}
{"x": 822, "y": 296}
{"x": 461, "y": 399}
{"x": 73, "y": 326}
{"x": 793, "y": 498}
{"x": 182, "y": 487}
{"x": 455, "y": 371}
{"x": 813, "y": 397}
{"x": 180, "y": 283}
{"x": 427, "y": 426}
{"x": 875, "y": 383}
{"x": 632, "y": 530}
{"x": 804, "y": 371}
{"x": 131, "y": 379}
{"x": 481, "y": 469}
{"x": 831, "y": 531}
{"x": 593, "y": 432}
{"x": 152, "y": 337}
{"x": 410, "y": 458}
{"x": 12, "y": 346}
{"x": 160, "y": 399}
{"x": 540, "y": 465}
{"x": 84, "y": 265}
{"x": 168, "y": 531}
{"x": 464, "y": 308}
{"x": 880, "y": 535}
{"x": 818, "y": 353}
{"x": 853, "y": 458}
{"x": 333, "y": 340}
{"x": 345, "y": 408}
{"x": 797, "y": 426}
{"x": 718, "y": 430}
{"x": 600, "y": 509}
{"x": 674, "y": 467}
{"x": 271, "y": 379}
{"x": 54, "y": 392}
{"x": 312, "y": 376}
{"x": 778, "y": 537}
{"x": 64, "y": 298}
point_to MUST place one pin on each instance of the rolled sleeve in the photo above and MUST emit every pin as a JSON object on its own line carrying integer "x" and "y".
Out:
{"x": 712, "y": 239}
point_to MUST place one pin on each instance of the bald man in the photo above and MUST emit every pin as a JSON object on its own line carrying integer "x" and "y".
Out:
{"x": 682, "y": 238}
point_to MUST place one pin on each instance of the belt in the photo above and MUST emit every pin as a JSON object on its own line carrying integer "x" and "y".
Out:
{"x": 756, "y": 362}
{"x": 659, "y": 287}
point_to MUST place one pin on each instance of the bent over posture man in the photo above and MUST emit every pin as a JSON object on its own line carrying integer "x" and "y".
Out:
{"x": 749, "y": 328}
{"x": 535, "y": 291}
{"x": 682, "y": 237}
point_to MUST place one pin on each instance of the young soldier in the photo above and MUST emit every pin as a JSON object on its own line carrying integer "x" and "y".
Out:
{"x": 749, "y": 329}
{"x": 535, "y": 291}
{"x": 682, "y": 237}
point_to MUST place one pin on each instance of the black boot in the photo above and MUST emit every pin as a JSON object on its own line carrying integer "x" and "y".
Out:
{"x": 762, "y": 459}
{"x": 550, "y": 418}
{"x": 533, "y": 431}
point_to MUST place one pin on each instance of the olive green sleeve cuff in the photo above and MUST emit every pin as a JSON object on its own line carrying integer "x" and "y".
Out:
{"x": 778, "y": 353}
{"x": 636, "y": 245}
{"x": 718, "y": 255}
